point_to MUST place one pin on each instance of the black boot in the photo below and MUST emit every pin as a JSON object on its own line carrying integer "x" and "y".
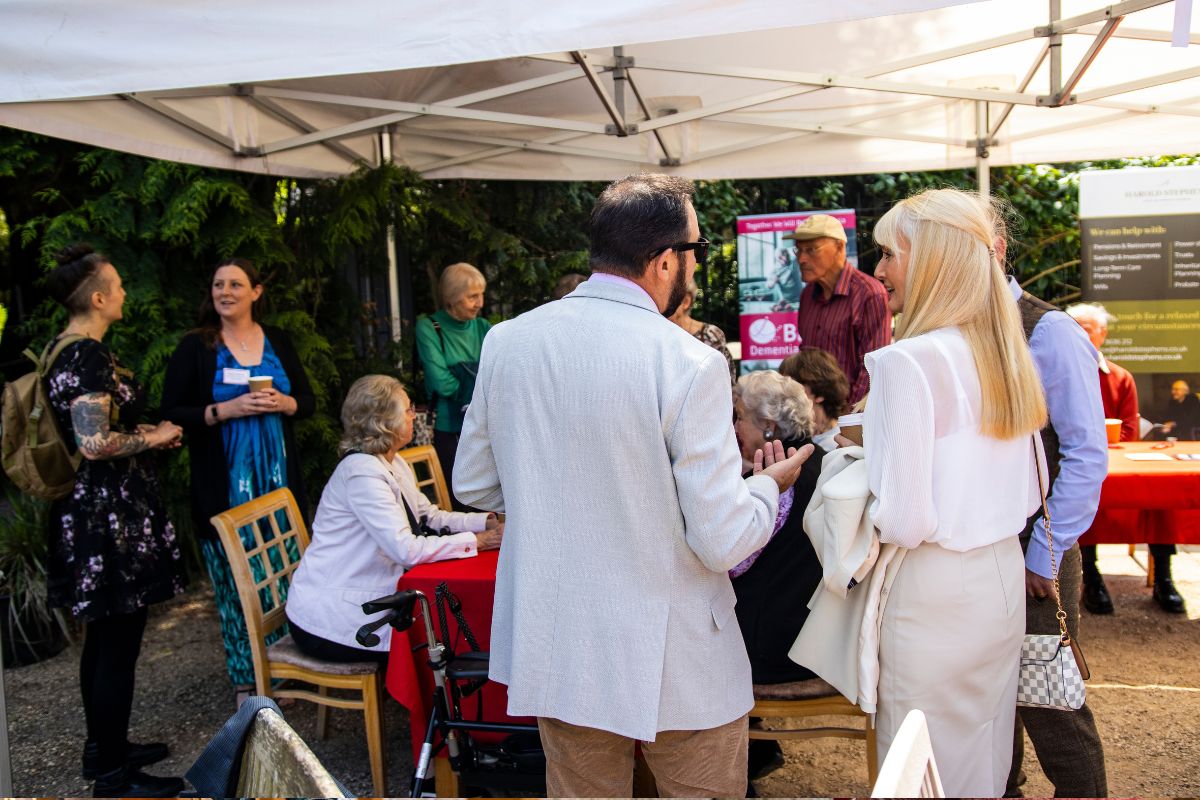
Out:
{"x": 764, "y": 757}
{"x": 1095, "y": 595}
{"x": 1168, "y": 597}
{"x": 128, "y": 781}
{"x": 139, "y": 755}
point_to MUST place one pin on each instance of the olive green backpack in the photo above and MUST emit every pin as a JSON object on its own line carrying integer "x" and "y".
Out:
{"x": 34, "y": 454}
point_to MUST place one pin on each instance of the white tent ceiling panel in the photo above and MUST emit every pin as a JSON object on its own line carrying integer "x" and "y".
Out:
{"x": 862, "y": 88}
{"x": 57, "y": 49}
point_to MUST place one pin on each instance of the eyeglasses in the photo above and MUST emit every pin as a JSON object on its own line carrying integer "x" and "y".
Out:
{"x": 700, "y": 246}
{"x": 807, "y": 249}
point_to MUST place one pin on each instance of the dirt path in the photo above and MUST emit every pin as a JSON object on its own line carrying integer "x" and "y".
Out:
{"x": 1145, "y": 693}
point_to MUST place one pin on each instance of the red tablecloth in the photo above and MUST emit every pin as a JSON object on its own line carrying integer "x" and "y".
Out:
{"x": 409, "y": 679}
{"x": 1148, "y": 501}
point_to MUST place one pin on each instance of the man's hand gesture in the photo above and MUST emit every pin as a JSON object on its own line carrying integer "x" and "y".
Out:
{"x": 771, "y": 462}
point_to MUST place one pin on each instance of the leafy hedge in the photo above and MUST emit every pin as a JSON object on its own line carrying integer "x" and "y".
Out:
{"x": 320, "y": 242}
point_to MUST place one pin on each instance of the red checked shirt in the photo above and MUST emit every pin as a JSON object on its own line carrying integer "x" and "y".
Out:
{"x": 850, "y": 324}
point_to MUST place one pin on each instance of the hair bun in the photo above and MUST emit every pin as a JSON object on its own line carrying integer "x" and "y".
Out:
{"x": 73, "y": 253}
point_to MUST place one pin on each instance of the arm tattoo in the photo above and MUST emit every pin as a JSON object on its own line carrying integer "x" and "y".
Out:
{"x": 96, "y": 441}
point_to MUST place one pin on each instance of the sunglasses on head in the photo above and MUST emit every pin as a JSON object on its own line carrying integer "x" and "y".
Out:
{"x": 700, "y": 246}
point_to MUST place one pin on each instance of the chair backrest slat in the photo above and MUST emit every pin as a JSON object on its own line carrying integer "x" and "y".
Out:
{"x": 909, "y": 769}
{"x": 428, "y": 471}
{"x": 277, "y": 763}
{"x": 270, "y": 586}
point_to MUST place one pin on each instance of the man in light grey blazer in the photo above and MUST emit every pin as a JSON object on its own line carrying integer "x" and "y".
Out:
{"x": 605, "y": 433}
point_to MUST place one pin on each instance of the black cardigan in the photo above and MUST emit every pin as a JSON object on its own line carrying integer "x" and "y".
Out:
{"x": 773, "y": 595}
{"x": 187, "y": 394}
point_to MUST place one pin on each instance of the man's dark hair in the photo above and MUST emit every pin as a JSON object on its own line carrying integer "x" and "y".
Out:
{"x": 636, "y": 216}
{"x": 819, "y": 371}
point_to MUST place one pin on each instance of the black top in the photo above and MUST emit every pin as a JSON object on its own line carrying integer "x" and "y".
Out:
{"x": 187, "y": 394}
{"x": 112, "y": 548}
{"x": 773, "y": 595}
{"x": 1185, "y": 414}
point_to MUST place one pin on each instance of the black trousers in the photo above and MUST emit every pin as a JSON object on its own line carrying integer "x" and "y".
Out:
{"x": 1161, "y": 553}
{"x": 446, "y": 445}
{"x": 106, "y": 676}
{"x": 317, "y": 647}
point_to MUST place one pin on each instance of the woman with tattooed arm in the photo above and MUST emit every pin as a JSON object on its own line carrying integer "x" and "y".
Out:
{"x": 113, "y": 551}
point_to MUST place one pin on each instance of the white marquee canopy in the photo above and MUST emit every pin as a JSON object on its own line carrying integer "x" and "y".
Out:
{"x": 593, "y": 90}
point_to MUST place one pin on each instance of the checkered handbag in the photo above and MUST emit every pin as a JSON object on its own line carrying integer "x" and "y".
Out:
{"x": 1051, "y": 676}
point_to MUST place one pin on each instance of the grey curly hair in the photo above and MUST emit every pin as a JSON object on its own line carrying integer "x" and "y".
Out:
{"x": 776, "y": 401}
{"x": 372, "y": 415}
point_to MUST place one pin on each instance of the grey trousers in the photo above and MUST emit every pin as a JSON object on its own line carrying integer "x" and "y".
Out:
{"x": 1066, "y": 742}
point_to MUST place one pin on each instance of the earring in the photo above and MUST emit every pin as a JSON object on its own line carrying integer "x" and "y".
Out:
{"x": 769, "y": 434}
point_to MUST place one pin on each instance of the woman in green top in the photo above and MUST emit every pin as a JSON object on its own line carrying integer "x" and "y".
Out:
{"x": 449, "y": 342}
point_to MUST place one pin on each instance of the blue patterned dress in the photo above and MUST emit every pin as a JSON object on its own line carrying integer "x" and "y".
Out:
{"x": 256, "y": 458}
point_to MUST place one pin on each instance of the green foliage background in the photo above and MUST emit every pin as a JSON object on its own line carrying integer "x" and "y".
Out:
{"x": 166, "y": 224}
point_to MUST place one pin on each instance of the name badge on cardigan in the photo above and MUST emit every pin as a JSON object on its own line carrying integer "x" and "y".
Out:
{"x": 232, "y": 376}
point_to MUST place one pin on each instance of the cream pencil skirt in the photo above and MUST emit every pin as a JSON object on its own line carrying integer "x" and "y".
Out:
{"x": 950, "y": 645}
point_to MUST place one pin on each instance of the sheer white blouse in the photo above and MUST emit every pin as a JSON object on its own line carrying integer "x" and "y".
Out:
{"x": 935, "y": 476}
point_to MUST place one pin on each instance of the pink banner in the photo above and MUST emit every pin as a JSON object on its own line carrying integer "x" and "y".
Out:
{"x": 771, "y": 223}
{"x": 769, "y": 336}
{"x": 770, "y": 283}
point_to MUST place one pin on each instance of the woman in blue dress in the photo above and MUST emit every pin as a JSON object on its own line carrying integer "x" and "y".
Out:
{"x": 241, "y": 442}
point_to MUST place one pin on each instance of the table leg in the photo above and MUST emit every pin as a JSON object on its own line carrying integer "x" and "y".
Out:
{"x": 445, "y": 782}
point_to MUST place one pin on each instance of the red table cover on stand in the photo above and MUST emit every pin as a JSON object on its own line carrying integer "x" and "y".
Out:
{"x": 1157, "y": 502}
{"x": 409, "y": 679}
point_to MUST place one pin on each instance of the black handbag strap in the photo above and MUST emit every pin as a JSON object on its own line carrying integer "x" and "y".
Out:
{"x": 433, "y": 396}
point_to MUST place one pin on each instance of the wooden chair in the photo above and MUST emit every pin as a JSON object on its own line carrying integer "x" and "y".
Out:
{"x": 909, "y": 769}
{"x": 811, "y": 698}
{"x": 430, "y": 479}
{"x": 263, "y": 605}
{"x": 277, "y": 763}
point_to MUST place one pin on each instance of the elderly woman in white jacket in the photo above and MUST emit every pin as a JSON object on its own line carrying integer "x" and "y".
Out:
{"x": 363, "y": 538}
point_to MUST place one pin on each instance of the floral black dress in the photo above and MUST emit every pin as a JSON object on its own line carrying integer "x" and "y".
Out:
{"x": 112, "y": 548}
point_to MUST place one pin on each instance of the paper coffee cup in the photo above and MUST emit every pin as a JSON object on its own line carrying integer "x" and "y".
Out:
{"x": 1113, "y": 428}
{"x": 850, "y": 426}
{"x": 259, "y": 383}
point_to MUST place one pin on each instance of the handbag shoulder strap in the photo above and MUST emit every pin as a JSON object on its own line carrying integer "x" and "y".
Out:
{"x": 1061, "y": 615}
{"x": 441, "y": 336}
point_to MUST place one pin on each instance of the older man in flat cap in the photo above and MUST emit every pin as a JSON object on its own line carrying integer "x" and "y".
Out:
{"x": 842, "y": 310}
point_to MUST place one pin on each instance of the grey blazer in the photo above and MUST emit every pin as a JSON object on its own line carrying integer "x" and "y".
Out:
{"x": 604, "y": 432}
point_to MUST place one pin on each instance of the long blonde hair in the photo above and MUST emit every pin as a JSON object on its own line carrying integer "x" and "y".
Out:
{"x": 955, "y": 279}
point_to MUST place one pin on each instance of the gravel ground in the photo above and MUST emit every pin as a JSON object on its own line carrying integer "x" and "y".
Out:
{"x": 1145, "y": 692}
{"x": 183, "y": 697}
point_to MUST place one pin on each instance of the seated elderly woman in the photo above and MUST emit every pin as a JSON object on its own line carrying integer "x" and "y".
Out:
{"x": 775, "y": 584}
{"x": 369, "y": 528}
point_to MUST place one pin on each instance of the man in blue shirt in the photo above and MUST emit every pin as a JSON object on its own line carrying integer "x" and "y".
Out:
{"x": 1067, "y": 744}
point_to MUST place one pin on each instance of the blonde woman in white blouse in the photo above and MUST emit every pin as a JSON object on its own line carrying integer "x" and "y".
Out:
{"x": 952, "y": 407}
{"x": 363, "y": 538}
